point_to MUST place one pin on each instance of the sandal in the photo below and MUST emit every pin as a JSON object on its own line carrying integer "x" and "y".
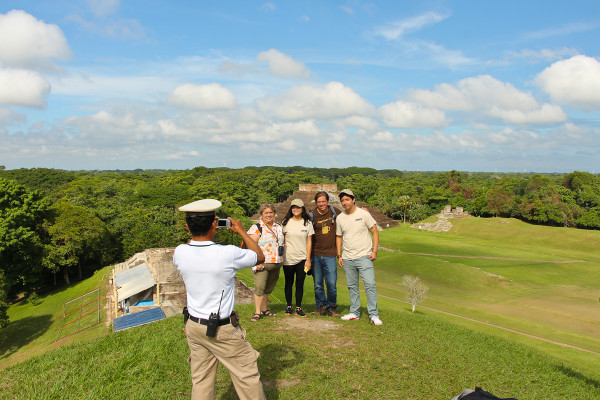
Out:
{"x": 268, "y": 313}
{"x": 255, "y": 317}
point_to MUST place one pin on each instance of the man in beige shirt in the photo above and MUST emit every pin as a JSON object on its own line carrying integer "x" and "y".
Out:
{"x": 357, "y": 240}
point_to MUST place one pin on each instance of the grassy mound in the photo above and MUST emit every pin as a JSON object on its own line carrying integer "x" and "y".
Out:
{"x": 412, "y": 356}
{"x": 540, "y": 283}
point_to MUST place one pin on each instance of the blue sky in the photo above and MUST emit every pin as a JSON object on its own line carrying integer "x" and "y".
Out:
{"x": 431, "y": 85}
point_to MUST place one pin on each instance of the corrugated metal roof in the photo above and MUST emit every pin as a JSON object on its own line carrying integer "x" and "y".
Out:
{"x": 133, "y": 281}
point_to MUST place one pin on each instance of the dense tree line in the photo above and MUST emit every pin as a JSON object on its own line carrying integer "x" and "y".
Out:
{"x": 69, "y": 223}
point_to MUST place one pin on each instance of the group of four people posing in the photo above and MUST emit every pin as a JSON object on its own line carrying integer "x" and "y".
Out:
{"x": 316, "y": 242}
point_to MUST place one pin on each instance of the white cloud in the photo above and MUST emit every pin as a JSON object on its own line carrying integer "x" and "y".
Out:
{"x": 283, "y": 65}
{"x": 268, "y": 7}
{"x": 203, "y": 97}
{"x": 23, "y": 88}
{"x": 575, "y": 81}
{"x": 534, "y": 56}
{"x": 399, "y": 28}
{"x": 561, "y": 31}
{"x": 402, "y": 114}
{"x": 102, "y": 8}
{"x": 9, "y": 117}
{"x": 306, "y": 102}
{"x": 118, "y": 28}
{"x": 490, "y": 97}
{"x": 30, "y": 43}
{"x": 357, "y": 121}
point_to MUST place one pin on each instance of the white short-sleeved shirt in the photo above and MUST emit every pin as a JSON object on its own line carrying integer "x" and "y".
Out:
{"x": 296, "y": 234}
{"x": 355, "y": 231}
{"x": 208, "y": 269}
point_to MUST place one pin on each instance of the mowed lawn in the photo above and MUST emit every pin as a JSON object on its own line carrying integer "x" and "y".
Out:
{"x": 541, "y": 281}
{"x": 499, "y": 271}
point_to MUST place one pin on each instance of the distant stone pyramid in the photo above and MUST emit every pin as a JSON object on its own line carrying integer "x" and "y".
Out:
{"x": 307, "y": 192}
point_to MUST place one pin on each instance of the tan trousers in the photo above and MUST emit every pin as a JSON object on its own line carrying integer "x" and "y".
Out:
{"x": 233, "y": 351}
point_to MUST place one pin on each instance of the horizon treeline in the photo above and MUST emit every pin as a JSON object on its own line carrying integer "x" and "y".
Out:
{"x": 59, "y": 225}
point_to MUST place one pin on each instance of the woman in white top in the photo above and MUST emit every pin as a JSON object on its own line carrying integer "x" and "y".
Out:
{"x": 297, "y": 232}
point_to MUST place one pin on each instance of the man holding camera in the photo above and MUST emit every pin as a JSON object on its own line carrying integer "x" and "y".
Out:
{"x": 213, "y": 331}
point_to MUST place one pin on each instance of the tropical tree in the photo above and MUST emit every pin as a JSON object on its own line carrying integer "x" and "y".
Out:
{"x": 3, "y": 303}
{"x": 22, "y": 213}
{"x": 404, "y": 203}
{"x": 77, "y": 238}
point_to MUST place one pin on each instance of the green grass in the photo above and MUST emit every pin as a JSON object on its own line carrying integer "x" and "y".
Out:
{"x": 555, "y": 301}
{"x": 33, "y": 328}
{"x": 425, "y": 355}
{"x": 412, "y": 356}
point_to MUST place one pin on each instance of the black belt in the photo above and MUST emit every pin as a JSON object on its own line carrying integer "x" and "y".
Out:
{"x": 203, "y": 321}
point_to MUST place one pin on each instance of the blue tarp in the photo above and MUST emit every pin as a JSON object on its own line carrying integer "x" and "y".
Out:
{"x": 141, "y": 318}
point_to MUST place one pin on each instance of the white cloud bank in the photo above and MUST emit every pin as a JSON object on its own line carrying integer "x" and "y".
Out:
{"x": 306, "y": 102}
{"x": 575, "y": 81}
{"x": 282, "y": 65}
{"x": 489, "y": 97}
{"x": 23, "y": 88}
{"x": 203, "y": 97}
{"x": 30, "y": 43}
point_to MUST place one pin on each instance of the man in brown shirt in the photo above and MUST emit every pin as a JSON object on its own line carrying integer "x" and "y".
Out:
{"x": 324, "y": 263}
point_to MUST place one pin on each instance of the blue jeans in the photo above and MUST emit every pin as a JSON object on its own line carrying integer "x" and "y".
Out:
{"x": 364, "y": 267}
{"x": 325, "y": 270}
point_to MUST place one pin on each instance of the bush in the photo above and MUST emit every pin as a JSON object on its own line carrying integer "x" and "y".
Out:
{"x": 34, "y": 299}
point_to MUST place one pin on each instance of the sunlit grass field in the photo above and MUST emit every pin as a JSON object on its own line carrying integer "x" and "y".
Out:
{"x": 532, "y": 280}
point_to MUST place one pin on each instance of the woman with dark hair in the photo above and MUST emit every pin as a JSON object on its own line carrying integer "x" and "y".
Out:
{"x": 297, "y": 233}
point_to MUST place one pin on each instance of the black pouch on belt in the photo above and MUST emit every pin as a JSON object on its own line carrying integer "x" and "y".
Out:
{"x": 213, "y": 324}
{"x": 186, "y": 315}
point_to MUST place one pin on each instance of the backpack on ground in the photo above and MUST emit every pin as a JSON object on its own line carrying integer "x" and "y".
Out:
{"x": 479, "y": 394}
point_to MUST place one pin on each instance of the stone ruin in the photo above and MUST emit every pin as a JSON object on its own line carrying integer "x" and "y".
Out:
{"x": 307, "y": 192}
{"x": 168, "y": 293}
{"x": 442, "y": 224}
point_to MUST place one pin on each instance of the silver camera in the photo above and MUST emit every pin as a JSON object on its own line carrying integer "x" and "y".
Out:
{"x": 223, "y": 223}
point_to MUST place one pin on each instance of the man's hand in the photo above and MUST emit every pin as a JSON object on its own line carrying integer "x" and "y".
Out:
{"x": 373, "y": 256}
{"x": 236, "y": 226}
{"x": 341, "y": 262}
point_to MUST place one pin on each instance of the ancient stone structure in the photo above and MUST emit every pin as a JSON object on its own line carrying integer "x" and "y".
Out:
{"x": 307, "y": 192}
{"x": 442, "y": 224}
{"x": 169, "y": 292}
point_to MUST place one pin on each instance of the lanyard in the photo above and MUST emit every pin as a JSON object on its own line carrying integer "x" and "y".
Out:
{"x": 272, "y": 233}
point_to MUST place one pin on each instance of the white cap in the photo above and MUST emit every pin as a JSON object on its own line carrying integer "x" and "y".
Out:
{"x": 204, "y": 206}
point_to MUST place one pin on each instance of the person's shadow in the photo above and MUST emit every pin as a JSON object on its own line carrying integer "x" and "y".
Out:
{"x": 22, "y": 332}
{"x": 274, "y": 358}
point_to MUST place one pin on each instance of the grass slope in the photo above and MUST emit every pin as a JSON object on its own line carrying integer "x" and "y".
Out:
{"x": 32, "y": 329}
{"x": 412, "y": 356}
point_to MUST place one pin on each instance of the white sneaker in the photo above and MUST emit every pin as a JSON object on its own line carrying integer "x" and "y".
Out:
{"x": 350, "y": 317}
{"x": 375, "y": 320}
